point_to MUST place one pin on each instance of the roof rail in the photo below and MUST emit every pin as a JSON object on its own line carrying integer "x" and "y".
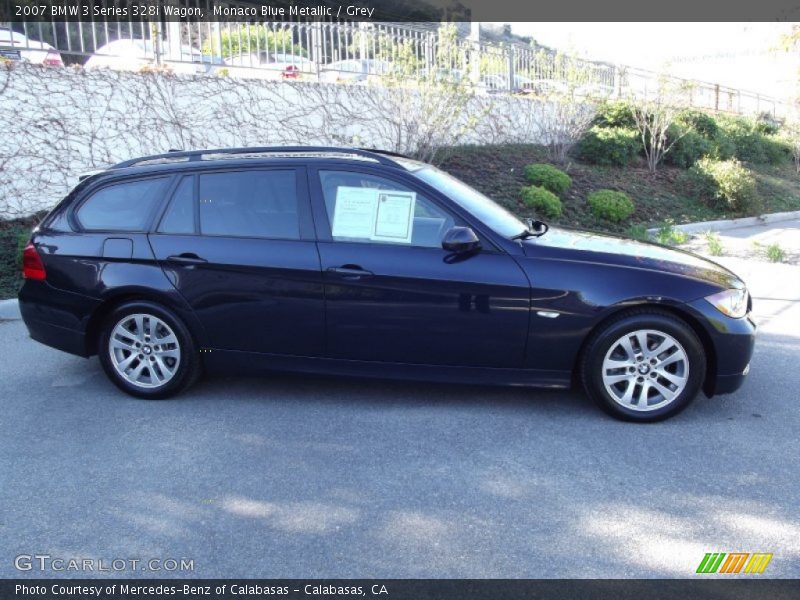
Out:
{"x": 194, "y": 155}
{"x": 386, "y": 153}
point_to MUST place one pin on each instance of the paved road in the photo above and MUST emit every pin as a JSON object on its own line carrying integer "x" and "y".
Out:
{"x": 753, "y": 241}
{"x": 291, "y": 476}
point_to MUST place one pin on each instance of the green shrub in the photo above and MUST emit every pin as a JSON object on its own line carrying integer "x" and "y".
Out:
{"x": 729, "y": 183}
{"x": 669, "y": 236}
{"x": 746, "y": 141}
{"x": 611, "y": 205}
{"x": 722, "y": 146}
{"x": 714, "y": 243}
{"x": 688, "y": 149}
{"x": 615, "y": 114}
{"x": 775, "y": 253}
{"x": 637, "y": 232}
{"x": 752, "y": 141}
{"x": 702, "y": 123}
{"x": 609, "y": 146}
{"x": 251, "y": 39}
{"x": 548, "y": 177}
{"x": 767, "y": 124}
{"x": 542, "y": 201}
{"x": 777, "y": 151}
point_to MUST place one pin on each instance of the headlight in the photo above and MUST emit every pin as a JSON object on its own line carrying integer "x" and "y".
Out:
{"x": 730, "y": 302}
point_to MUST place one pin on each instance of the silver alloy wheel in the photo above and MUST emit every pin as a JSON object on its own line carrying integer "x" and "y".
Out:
{"x": 645, "y": 370}
{"x": 144, "y": 350}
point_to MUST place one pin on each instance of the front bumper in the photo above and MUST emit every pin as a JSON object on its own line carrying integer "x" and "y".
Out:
{"x": 733, "y": 341}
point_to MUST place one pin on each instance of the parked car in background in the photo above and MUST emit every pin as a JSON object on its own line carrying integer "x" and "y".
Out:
{"x": 499, "y": 83}
{"x": 16, "y": 46}
{"x": 354, "y": 262}
{"x": 442, "y": 75}
{"x": 134, "y": 55}
{"x": 354, "y": 71}
{"x": 594, "y": 90}
{"x": 269, "y": 65}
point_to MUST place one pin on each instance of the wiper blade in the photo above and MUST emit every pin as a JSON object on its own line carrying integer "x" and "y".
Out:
{"x": 523, "y": 236}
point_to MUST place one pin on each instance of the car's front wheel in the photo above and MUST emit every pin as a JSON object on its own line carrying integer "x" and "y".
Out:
{"x": 644, "y": 365}
{"x": 147, "y": 351}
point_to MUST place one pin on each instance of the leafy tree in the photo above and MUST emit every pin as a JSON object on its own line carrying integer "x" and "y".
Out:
{"x": 655, "y": 112}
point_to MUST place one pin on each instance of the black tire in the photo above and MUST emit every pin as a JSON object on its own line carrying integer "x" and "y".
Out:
{"x": 601, "y": 341}
{"x": 188, "y": 367}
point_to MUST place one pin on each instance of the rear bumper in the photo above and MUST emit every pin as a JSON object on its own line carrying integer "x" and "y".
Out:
{"x": 60, "y": 338}
{"x": 733, "y": 341}
{"x": 55, "y": 317}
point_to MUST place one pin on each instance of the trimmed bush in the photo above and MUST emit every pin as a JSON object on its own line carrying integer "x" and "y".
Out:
{"x": 729, "y": 183}
{"x": 765, "y": 123}
{"x": 777, "y": 151}
{"x": 548, "y": 177}
{"x": 611, "y": 205}
{"x": 542, "y": 201}
{"x": 722, "y": 146}
{"x": 615, "y": 114}
{"x": 750, "y": 142}
{"x": 615, "y": 146}
{"x": 688, "y": 149}
{"x": 700, "y": 122}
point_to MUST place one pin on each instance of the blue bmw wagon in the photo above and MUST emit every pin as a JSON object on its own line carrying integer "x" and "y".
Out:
{"x": 366, "y": 263}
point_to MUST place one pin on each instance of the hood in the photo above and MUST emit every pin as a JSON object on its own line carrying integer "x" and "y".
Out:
{"x": 566, "y": 244}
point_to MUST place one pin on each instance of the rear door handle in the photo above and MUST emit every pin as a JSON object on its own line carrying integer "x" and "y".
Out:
{"x": 350, "y": 271}
{"x": 187, "y": 258}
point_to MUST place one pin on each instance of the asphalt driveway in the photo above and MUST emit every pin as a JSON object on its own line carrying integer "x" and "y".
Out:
{"x": 292, "y": 476}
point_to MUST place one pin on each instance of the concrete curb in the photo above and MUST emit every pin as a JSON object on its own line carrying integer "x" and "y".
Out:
{"x": 725, "y": 224}
{"x": 9, "y": 310}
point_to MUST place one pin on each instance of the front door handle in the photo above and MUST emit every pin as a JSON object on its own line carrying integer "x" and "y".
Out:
{"x": 350, "y": 271}
{"x": 187, "y": 258}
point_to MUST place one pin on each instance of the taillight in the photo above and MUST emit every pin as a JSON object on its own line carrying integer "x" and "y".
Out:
{"x": 32, "y": 266}
{"x": 53, "y": 59}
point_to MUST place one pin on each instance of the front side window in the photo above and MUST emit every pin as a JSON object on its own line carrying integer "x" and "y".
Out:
{"x": 471, "y": 200}
{"x": 251, "y": 203}
{"x": 371, "y": 209}
{"x": 123, "y": 206}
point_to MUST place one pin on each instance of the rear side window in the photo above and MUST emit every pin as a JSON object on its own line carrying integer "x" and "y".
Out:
{"x": 251, "y": 203}
{"x": 122, "y": 206}
{"x": 179, "y": 217}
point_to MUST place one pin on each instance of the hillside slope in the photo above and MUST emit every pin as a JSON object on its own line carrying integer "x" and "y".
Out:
{"x": 497, "y": 171}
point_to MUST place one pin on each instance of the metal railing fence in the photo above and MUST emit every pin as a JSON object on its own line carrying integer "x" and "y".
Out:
{"x": 352, "y": 52}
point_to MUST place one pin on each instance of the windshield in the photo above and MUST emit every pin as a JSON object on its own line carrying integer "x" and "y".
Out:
{"x": 485, "y": 209}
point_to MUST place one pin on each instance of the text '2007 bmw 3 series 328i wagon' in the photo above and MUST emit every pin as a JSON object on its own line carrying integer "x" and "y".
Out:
{"x": 356, "y": 262}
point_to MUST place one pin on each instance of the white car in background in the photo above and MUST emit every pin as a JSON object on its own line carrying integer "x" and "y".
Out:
{"x": 269, "y": 65}
{"x": 354, "y": 71}
{"x": 499, "y": 83}
{"x": 16, "y": 46}
{"x": 134, "y": 55}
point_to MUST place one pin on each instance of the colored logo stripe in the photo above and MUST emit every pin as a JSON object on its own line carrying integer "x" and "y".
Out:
{"x": 734, "y": 562}
{"x": 713, "y": 562}
{"x": 758, "y": 562}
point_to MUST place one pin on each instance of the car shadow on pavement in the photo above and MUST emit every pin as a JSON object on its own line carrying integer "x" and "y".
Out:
{"x": 297, "y": 476}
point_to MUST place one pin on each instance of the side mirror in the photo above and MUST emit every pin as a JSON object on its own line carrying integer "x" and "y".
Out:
{"x": 461, "y": 240}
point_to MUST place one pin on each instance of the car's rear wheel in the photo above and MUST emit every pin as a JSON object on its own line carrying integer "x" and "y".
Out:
{"x": 644, "y": 365}
{"x": 147, "y": 351}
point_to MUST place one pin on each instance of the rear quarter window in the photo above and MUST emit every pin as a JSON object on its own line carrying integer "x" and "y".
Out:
{"x": 125, "y": 206}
